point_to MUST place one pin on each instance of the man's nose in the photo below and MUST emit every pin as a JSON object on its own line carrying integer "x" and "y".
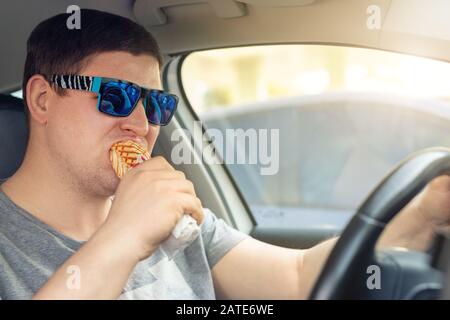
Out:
{"x": 136, "y": 121}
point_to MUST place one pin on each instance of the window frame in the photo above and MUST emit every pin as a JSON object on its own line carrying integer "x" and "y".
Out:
{"x": 229, "y": 200}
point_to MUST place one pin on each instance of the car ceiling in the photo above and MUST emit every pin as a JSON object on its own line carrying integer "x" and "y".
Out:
{"x": 419, "y": 27}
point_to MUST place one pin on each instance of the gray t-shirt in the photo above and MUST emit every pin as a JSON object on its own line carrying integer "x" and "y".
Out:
{"x": 31, "y": 251}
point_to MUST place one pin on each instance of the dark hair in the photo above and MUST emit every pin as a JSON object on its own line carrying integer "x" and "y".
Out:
{"x": 53, "y": 48}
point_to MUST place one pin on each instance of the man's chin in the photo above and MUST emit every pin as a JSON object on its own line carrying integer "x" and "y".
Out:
{"x": 114, "y": 184}
{"x": 108, "y": 184}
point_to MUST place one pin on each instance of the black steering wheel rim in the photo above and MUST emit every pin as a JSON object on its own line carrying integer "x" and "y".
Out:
{"x": 355, "y": 249}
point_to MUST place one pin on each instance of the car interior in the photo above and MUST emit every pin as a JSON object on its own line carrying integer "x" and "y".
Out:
{"x": 365, "y": 195}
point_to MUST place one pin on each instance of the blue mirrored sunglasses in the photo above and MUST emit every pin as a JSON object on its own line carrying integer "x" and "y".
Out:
{"x": 119, "y": 98}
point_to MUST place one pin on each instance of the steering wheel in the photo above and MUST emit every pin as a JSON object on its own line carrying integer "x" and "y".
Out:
{"x": 344, "y": 275}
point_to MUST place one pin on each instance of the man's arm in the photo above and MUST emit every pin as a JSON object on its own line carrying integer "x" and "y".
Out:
{"x": 257, "y": 270}
{"x": 103, "y": 265}
{"x": 153, "y": 191}
{"x": 270, "y": 272}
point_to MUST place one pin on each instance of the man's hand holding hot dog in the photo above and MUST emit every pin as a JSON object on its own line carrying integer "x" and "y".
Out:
{"x": 148, "y": 203}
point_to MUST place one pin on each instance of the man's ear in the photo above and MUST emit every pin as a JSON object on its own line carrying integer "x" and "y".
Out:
{"x": 38, "y": 94}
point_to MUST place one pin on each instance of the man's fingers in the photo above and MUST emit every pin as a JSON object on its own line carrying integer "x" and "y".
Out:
{"x": 441, "y": 183}
{"x": 185, "y": 186}
{"x": 168, "y": 181}
{"x": 191, "y": 205}
{"x": 162, "y": 174}
{"x": 156, "y": 163}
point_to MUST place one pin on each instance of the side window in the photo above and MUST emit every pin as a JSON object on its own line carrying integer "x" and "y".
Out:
{"x": 309, "y": 126}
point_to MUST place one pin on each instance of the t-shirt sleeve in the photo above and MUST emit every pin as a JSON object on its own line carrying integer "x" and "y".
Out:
{"x": 218, "y": 237}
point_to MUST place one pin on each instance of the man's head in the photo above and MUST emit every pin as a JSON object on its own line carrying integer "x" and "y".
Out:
{"x": 66, "y": 129}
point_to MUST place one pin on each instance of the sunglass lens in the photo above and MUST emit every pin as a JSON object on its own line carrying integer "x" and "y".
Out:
{"x": 160, "y": 106}
{"x": 118, "y": 99}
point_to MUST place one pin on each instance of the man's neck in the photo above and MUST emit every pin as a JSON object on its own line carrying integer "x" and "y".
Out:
{"x": 62, "y": 206}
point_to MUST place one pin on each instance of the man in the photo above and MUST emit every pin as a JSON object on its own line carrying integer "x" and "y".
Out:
{"x": 61, "y": 235}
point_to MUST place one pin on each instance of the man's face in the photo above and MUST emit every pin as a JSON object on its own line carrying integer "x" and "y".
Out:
{"x": 79, "y": 136}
